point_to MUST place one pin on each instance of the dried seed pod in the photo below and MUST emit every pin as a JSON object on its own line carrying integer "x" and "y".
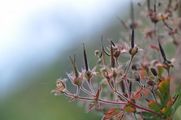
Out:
{"x": 135, "y": 67}
{"x": 133, "y": 51}
{"x": 76, "y": 80}
{"x": 130, "y": 86}
{"x": 122, "y": 86}
{"x": 154, "y": 71}
{"x": 88, "y": 75}
{"x": 151, "y": 83}
{"x": 137, "y": 76}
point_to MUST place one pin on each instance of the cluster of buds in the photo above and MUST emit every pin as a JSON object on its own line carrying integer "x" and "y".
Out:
{"x": 138, "y": 88}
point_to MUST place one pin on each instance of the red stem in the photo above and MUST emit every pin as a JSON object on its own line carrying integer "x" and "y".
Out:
{"x": 110, "y": 102}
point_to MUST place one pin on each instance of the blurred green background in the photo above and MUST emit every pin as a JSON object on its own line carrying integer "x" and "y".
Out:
{"x": 35, "y": 102}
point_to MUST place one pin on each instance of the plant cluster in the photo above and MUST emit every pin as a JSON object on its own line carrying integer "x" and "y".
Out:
{"x": 131, "y": 78}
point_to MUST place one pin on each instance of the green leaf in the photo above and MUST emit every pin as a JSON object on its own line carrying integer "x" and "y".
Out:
{"x": 163, "y": 88}
{"x": 160, "y": 70}
{"x": 149, "y": 116}
{"x": 154, "y": 105}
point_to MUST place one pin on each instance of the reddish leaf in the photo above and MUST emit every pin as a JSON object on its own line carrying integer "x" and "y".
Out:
{"x": 98, "y": 93}
{"x": 129, "y": 108}
{"x": 113, "y": 113}
{"x": 152, "y": 104}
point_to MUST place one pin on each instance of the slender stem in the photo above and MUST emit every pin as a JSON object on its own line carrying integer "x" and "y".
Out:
{"x": 115, "y": 91}
{"x": 154, "y": 96}
{"x": 78, "y": 90}
{"x": 92, "y": 99}
{"x": 121, "y": 95}
{"x": 127, "y": 69}
{"x": 145, "y": 109}
{"x": 86, "y": 91}
{"x": 89, "y": 84}
{"x": 109, "y": 102}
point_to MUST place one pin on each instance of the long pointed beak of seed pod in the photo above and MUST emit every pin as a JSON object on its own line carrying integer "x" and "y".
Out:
{"x": 162, "y": 51}
{"x": 132, "y": 38}
{"x": 85, "y": 58}
{"x": 112, "y": 56}
{"x": 103, "y": 51}
{"x": 73, "y": 62}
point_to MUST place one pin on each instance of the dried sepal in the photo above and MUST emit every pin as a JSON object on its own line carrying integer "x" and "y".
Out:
{"x": 60, "y": 87}
{"x": 77, "y": 81}
{"x": 90, "y": 74}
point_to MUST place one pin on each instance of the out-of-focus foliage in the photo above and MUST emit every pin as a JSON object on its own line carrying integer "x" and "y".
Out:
{"x": 35, "y": 102}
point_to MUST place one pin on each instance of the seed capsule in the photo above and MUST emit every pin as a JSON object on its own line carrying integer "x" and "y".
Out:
{"x": 137, "y": 76}
{"x": 153, "y": 71}
{"x": 133, "y": 51}
{"x": 151, "y": 83}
